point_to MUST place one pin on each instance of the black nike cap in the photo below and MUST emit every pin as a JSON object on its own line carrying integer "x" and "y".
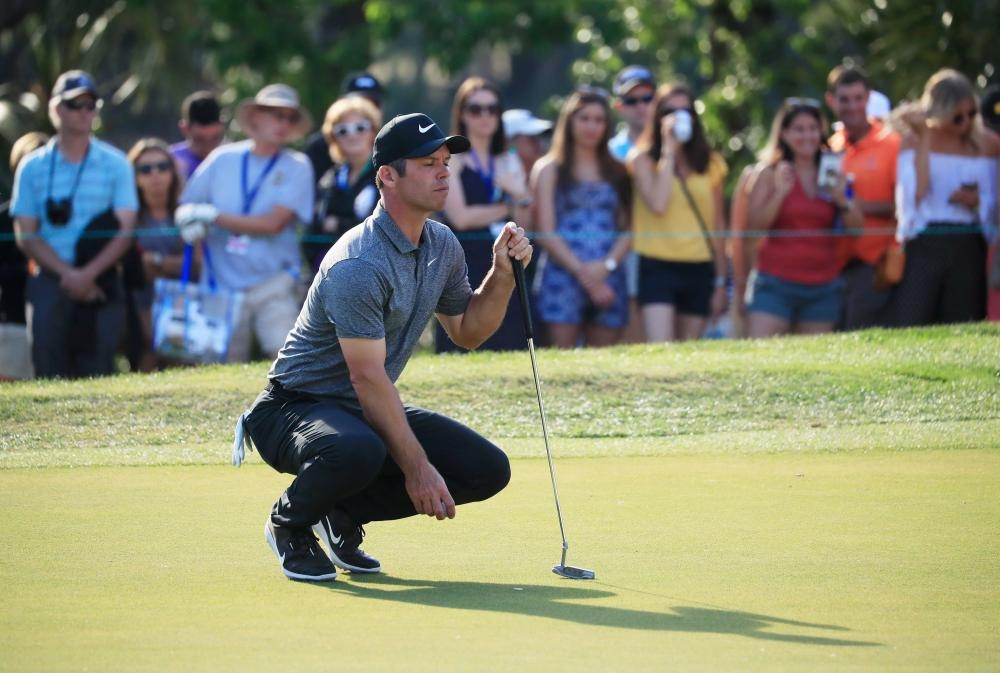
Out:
{"x": 410, "y": 136}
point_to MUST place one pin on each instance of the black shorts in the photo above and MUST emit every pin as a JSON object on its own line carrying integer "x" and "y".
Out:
{"x": 687, "y": 286}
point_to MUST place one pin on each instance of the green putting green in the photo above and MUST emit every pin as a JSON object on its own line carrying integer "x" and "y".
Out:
{"x": 753, "y": 562}
{"x": 793, "y": 505}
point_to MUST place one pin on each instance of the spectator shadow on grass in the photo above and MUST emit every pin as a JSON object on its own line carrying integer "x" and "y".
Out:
{"x": 562, "y": 601}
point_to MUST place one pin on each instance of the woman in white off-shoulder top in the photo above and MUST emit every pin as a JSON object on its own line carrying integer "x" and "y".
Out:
{"x": 946, "y": 198}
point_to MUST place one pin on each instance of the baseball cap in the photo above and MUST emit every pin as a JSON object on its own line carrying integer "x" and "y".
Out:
{"x": 630, "y": 77}
{"x": 879, "y": 106}
{"x": 518, "y": 122}
{"x": 413, "y": 135}
{"x": 365, "y": 84}
{"x": 73, "y": 83}
{"x": 991, "y": 107}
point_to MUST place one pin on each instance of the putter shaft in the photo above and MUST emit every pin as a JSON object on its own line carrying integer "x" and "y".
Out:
{"x": 562, "y": 569}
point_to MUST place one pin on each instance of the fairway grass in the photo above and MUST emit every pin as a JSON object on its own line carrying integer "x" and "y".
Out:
{"x": 784, "y": 506}
{"x": 773, "y": 562}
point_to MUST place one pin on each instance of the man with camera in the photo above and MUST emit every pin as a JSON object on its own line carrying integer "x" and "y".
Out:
{"x": 74, "y": 208}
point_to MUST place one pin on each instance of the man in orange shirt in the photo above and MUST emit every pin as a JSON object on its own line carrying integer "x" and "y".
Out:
{"x": 870, "y": 156}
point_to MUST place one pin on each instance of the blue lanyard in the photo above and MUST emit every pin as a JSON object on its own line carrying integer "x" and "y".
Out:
{"x": 207, "y": 260}
{"x": 250, "y": 195}
{"x": 485, "y": 176}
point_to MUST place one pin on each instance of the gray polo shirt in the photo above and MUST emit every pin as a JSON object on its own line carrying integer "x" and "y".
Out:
{"x": 373, "y": 284}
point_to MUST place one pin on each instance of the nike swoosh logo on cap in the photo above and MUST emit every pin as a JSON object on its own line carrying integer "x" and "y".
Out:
{"x": 424, "y": 129}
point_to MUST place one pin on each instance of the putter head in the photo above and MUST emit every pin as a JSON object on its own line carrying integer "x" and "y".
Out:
{"x": 573, "y": 573}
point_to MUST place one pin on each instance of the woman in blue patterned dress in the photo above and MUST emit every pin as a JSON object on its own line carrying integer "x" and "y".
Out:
{"x": 581, "y": 198}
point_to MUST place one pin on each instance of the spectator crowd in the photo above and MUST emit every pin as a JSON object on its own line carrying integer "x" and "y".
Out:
{"x": 887, "y": 218}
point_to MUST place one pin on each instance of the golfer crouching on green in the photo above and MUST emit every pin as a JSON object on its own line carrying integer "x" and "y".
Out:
{"x": 330, "y": 413}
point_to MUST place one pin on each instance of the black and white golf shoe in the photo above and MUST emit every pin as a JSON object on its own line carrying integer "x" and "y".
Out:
{"x": 299, "y": 552}
{"x": 343, "y": 538}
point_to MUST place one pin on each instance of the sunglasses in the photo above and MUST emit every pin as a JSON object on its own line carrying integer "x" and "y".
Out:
{"x": 962, "y": 116}
{"x": 477, "y": 109}
{"x": 157, "y": 167}
{"x": 670, "y": 110}
{"x": 77, "y": 104}
{"x": 630, "y": 101}
{"x": 290, "y": 116}
{"x": 352, "y": 128}
{"x": 802, "y": 102}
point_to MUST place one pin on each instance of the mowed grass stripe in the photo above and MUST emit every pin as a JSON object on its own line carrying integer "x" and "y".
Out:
{"x": 755, "y": 562}
{"x": 882, "y": 382}
{"x": 951, "y": 435}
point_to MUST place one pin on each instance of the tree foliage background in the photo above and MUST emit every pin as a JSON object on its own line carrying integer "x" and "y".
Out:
{"x": 742, "y": 56}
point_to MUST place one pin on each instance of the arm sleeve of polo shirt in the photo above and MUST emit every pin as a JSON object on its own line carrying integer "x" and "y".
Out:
{"x": 26, "y": 201}
{"x": 126, "y": 194}
{"x": 354, "y": 296}
{"x": 457, "y": 291}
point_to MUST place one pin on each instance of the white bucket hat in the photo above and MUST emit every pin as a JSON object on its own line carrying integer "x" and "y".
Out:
{"x": 275, "y": 96}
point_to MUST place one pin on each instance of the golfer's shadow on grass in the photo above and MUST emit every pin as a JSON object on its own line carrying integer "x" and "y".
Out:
{"x": 560, "y": 601}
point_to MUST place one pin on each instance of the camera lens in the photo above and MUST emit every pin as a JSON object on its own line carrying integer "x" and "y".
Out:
{"x": 59, "y": 211}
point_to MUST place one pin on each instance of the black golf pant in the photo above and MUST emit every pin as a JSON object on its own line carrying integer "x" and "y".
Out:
{"x": 340, "y": 462}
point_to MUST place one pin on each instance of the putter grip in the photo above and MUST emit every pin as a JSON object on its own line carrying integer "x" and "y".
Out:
{"x": 522, "y": 291}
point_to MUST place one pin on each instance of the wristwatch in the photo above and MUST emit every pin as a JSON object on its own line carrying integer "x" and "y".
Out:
{"x": 610, "y": 264}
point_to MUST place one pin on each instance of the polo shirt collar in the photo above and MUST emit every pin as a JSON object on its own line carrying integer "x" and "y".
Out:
{"x": 874, "y": 132}
{"x": 392, "y": 231}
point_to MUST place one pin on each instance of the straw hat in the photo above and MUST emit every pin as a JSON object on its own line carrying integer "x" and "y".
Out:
{"x": 275, "y": 96}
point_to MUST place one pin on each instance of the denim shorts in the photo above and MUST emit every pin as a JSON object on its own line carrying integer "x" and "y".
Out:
{"x": 794, "y": 302}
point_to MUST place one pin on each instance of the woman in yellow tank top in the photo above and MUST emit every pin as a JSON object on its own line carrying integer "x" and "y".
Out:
{"x": 682, "y": 268}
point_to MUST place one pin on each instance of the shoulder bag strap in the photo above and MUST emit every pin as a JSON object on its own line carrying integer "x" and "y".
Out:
{"x": 697, "y": 214}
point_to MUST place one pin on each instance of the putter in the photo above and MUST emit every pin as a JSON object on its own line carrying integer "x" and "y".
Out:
{"x": 563, "y": 570}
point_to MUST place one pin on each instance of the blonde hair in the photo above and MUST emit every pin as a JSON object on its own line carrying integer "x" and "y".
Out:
{"x": 944, "y": 90}
{"x": 340, "y": 109}
{"x": 25, "y": 145}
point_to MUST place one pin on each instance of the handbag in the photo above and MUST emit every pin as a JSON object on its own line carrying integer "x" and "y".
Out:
{"x": 193, "y": 322}
{"x": 889, "y": 268}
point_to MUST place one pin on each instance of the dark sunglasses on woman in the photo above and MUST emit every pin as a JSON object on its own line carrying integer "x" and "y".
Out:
{"x": 158, "y": 167}
{"x": 477, "y": 109}
{"x": 810, "y": 103}
{"x": 960, "y": 117}
{"x": 667, "y": 110}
